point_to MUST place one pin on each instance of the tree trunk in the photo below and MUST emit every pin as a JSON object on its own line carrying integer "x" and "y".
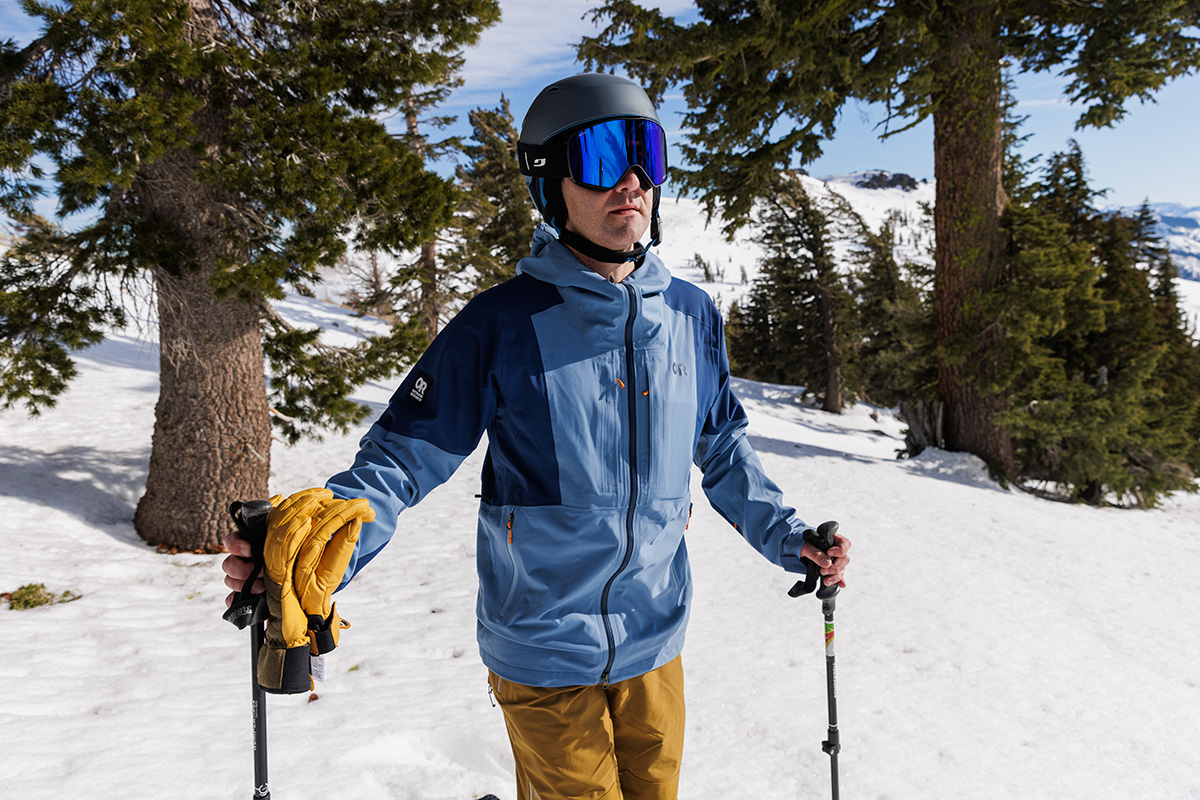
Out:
{"x": 212, "y": 426}
{"x": 431, "y": 305}
{"x": 430, "y": 302}
{"x": 833, "y": 358}
{"x": 969, "y": 201}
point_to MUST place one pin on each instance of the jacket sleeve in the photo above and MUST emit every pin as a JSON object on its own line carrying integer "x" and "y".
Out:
{"x": 734, "y": 480}
{"x": 433, "y": 422}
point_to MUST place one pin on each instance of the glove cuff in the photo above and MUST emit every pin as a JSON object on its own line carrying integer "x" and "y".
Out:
{"x": 284, "y": 671}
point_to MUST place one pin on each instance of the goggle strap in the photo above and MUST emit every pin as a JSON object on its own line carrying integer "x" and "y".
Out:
{"x": 543, "y": 160}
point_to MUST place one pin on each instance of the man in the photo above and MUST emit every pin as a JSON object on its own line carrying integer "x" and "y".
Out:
{"x": 599, "y": 380}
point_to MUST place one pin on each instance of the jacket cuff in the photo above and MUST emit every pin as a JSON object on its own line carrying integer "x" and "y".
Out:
{"x": 789, "y": 556}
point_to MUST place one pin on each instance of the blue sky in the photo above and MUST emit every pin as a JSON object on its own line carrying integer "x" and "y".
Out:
{"x": 1151, "y": 155}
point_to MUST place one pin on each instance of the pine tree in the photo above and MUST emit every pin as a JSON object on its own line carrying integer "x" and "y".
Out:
{"x": 1154, "y": 362}
{"x": 495, "y": 219}
{"x": 896, "y": 353}
{"x": 796, "y": 325}
{"x": 422, "y": 288}
{"x": 1106, "y": 405}
{"x": 223, "y": 150}
{"x": 765, "y": 82}
{"x": 1126, "y": 355}
{"x": 1053, "y": 309}
{"x": 1179, "y": 370}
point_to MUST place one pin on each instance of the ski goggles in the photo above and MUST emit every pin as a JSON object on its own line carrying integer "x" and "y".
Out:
{"x": 599, "y": 155}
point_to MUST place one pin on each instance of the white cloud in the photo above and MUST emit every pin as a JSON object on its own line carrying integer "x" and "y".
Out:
{"x": 534, "y": 43}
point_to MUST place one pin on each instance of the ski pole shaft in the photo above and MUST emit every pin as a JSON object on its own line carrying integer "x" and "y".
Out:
{"x": 832, "y": 745}
{"x": 258, "y": 708}
{"x": 250, "y": 610}
{"x": 823, "y": 538}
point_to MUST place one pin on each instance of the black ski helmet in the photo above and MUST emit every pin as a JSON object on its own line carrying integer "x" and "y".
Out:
{"x": 566, "y": 106}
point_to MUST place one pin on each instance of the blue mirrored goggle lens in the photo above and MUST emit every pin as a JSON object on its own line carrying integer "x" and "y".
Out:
{"x": 598, "y": 156}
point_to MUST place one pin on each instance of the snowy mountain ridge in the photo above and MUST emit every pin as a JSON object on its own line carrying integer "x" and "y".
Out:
{"x": 1180, "y": 228}
{"x": 733, "y": 265}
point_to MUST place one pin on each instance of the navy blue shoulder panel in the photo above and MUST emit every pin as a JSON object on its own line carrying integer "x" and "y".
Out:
{"x": 521, "y": 465}
{"x": 521, "y": 296}
{"x": 451, "y": 394}
{"x": 690, "y": 299}
{"x": 517, "y": 298}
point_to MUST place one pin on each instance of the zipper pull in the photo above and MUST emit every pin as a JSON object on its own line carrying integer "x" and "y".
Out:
{"x": 510, "y": 521}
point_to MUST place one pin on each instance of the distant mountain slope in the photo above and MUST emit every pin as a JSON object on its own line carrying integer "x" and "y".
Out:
{"x": 727, "y": 268}
{"x": 1180, "y": 229}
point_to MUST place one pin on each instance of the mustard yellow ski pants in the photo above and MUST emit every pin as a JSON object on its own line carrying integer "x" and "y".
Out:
{"x": 620, "y": 742}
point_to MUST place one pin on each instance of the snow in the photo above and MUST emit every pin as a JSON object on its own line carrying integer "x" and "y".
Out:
{"x": 990, "y": 644}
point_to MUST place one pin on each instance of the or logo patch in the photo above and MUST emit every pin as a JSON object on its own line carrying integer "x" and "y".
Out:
{"x": 420, "y": 388}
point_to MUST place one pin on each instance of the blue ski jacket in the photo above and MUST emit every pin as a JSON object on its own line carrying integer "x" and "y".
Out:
{"x": 596, "y": 398}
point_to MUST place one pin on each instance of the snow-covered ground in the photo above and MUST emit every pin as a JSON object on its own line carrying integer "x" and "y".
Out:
{"x": 990, "y": 644}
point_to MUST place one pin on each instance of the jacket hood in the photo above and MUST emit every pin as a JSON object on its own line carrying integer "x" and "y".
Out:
{"x": 550, "y": 261}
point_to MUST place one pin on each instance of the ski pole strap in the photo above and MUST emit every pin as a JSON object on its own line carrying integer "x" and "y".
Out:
{"x": 251, "y": 520}
{"x": 323, "y": 632}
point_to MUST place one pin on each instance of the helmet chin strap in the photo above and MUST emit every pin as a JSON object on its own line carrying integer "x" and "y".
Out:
{"x": 590, "y": 249}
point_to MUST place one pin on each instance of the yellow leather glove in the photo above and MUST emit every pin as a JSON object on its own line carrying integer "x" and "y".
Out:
{"x": 283, "y": 660}
{"x": 321, "y": 565}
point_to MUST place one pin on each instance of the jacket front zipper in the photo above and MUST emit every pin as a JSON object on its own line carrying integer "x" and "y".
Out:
{"x": 631, "y": 401}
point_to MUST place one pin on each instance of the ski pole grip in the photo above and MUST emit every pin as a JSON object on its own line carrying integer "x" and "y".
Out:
{"x": 822, "y": 538}
{"x": 251, "y": 520}
{"x": 250, "y": 516}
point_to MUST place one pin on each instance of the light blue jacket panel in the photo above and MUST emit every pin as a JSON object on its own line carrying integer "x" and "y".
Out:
{"x": 596, "y": 398}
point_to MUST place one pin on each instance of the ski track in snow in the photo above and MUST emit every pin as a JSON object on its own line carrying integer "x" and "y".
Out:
{"x": 990, "y": 644}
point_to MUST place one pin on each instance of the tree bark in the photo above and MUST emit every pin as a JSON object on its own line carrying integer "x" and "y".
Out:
{"x": 833, "y": 358}
{"x": 431, "y": 302}
{"x": 212, "y": 427}
{"x": 969, "y": 201}
{"x": 429, "y": 306}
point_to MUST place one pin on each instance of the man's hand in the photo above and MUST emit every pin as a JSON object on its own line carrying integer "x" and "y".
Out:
{"x": 237, "y": 566}
{"x": 832, "y": 564}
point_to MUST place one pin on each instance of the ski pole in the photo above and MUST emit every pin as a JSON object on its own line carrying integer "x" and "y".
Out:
{"x": 823, "y": 539}
{"x": 250, "y": 610}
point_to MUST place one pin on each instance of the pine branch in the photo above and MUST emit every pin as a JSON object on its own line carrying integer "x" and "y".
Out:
{"x": 17, "y": 65}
